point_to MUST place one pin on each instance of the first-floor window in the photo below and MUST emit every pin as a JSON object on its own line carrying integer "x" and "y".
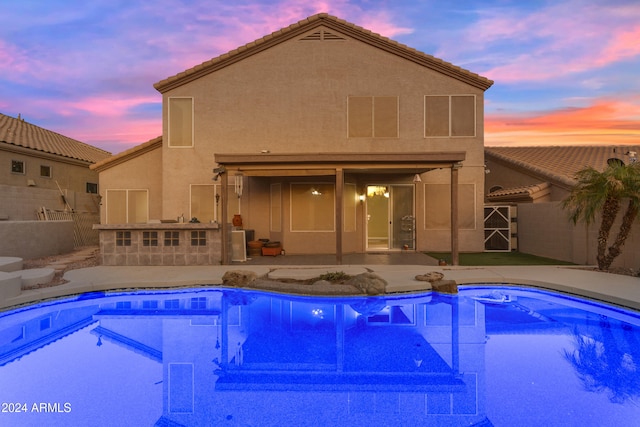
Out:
{"x": 312, "y": 207}
{"x": 350, "y": 203}
{"x": 127, "y": 206}
{"x": 204, "y": 202}
{"x": 276, "y": 208}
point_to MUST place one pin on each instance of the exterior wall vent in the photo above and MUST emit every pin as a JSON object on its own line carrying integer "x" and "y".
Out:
{"x": 322, "y": 35}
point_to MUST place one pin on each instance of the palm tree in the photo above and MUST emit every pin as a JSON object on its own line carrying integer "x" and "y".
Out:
{"x": 604, "y": 193}
{"x": 607, "y": 362}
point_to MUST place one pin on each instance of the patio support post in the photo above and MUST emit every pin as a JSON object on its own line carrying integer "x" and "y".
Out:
{"x": 226, "y": 259}
{"x": 339, "y": 213}
{"x": 454, "y": 214}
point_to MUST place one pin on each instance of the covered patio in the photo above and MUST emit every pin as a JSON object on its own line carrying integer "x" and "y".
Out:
{"x": 336, "y": 165}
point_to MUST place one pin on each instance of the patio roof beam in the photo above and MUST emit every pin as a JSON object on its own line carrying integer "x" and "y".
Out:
{"x": 356, "y": 160}
{"x": 283, "y": 172}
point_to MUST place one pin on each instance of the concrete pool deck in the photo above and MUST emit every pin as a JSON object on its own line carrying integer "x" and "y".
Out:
{"x": 613, "y": 288}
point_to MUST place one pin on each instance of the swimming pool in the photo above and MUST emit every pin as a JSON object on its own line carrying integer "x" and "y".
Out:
{"x": 493, "y": 355}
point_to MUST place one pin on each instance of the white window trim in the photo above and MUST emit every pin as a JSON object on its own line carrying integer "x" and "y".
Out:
{"x": 169, "y": 122}
{"x": 475, "y": 116}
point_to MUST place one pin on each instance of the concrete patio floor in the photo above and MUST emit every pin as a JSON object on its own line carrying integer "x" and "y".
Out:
{"x": 371, "y": 258}
{"x": 398, "y": 269}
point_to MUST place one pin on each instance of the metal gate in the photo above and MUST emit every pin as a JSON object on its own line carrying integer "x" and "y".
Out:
{"x": 497, "y": 229}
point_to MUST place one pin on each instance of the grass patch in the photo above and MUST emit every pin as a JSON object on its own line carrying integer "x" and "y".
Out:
{"x": 498, "y": 258}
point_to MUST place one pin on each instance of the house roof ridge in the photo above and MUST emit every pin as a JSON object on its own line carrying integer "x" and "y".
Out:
{"x": 292, "y": 30}
{"x": 20, "y": 133}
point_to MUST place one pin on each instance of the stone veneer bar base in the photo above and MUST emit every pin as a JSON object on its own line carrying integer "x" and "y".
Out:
{"x": 171, "y": 244}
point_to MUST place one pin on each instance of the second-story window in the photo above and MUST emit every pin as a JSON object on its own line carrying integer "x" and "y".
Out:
{"x": 180, "y": 122}
{"x": 449, "y": 115}
{"x": 373, "y": 116}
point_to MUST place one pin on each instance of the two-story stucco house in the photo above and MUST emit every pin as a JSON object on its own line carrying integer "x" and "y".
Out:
{"x": 322, "y": 136}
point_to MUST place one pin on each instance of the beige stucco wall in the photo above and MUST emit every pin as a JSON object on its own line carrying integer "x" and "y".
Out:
{"x": 293, "y": 98}
{"x": 544, "y": 229}
{"x": 19, "y": 200}
{"x": 69, "y": 175}
{"x": 141, "y": 172}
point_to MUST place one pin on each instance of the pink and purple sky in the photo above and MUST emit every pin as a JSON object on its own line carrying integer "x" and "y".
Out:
{"x": 565, "y": 71}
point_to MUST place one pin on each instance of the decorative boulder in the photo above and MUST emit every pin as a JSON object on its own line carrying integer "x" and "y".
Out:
{"x": 238, "y": 278}
{"x": 445, "y": 286}
{"x": 322, "y": 283}
{"x": 368, "y": 283}
{"x": 432, "y": 276}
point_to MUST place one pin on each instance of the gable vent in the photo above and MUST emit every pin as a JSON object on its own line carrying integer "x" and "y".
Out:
{"x": 322, "y": 35}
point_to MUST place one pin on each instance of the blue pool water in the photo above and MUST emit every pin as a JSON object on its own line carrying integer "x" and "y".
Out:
{"x": 491, "y": 356}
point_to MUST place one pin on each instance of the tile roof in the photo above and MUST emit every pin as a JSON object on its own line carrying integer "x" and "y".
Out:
{"x": 528, "y": 191}
{"x": 22, "y": 134}
{"x": 338, "y": 25}
{"x": 138, "y": 150}
{"x": 560, "y": 163}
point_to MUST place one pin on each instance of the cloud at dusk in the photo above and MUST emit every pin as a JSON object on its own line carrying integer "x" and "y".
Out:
{"x": 597, "y": 123}
{"x": 87, "y": 69}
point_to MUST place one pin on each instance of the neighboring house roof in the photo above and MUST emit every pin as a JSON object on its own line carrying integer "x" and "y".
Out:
{"x": 559, "y": 164}
{"x": 129, "y": 154}
{"x": 19, "y": 133}
{"x": 525, "y": 193}
{"x": 332, "y": 23}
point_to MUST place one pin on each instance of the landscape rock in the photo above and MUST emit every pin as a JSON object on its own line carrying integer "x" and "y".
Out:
{"x": 432, "y": 276}
{"x": 238, "y": 278}
{"x": 368, "y": 283}
{"x": 320, "y": 283}
{"x": 445, "y": 286}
